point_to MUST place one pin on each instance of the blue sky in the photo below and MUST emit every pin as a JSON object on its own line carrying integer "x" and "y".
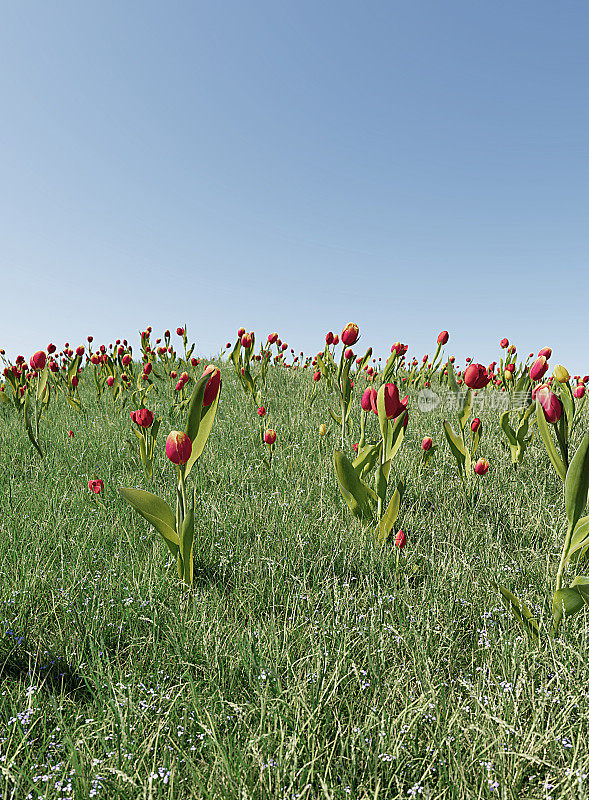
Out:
{"x": 412, "y": 166}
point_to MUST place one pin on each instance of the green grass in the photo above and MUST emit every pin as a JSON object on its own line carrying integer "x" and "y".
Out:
{"x": 301, "y": 666}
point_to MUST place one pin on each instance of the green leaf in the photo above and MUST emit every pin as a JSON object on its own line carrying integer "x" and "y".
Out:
{"x": 354, "y": 491}
{"x": 568, "y": 403}
{"x": 553, "y": 454}
{"x": 195, "y": 407}
{"x": 520, "y": 610}
{"x": 388, "y": 519}
{"x": 366, "y": 458}
{"x": 396, "y": 437}
{"x": 456, "y": 445}
{"x": 204, "y": 430}
{"x": 576, "y": 483}
{"x": 565, "y": 603}
{"x": 157, "y": 512}
{"x": 335, "y": 417}
{"x": 381, "y": 479}
{"x": 507, "y": 429}
{"x": 451, "y": 377}
{"x": 42, "y": 381}
{"x": 466, "y": 409}
{"x": 579, "y": 540}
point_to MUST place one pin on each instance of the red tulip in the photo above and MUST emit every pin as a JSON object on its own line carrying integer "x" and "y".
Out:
{"x": 212, "y": 387}
{"x": 504, "y": 343}
{"x": 481, "y": 467}
{"x": 579, "y": 391}
{"x": 475, "y": 424}
{"x": 366, "y": 399}
{"x": 261, "y": 411}
{"x": 51, "y": 348}
{"x": 510, "y": 367}
{"x": 96, "y": 486}
{"x": 110, "y": 380}
{"x": 476, "y": 376}
{"x": 317, "y": 375}
{"x": 427, "y": 443}
{"x": 546, "y": 352}
{"x": 272, "y": 337}
{"x": 270, "y": 436}
{"x": 348, "y": 354}
{"x": 401, "y": 540}
{"x": 393, "y": 406}
{"x": 350, "y": 334}
{"x": 240, "y": 332}
{"x": 180, "y": 331}
{"x": 246, "y": 340}
{"x": 538, "y": 368}
{"x": 329, "y": 338}
{"x": 550, "y": 403}
{"x": 126, "y": 360}
{"x": 74, "y": 381}
{"x": 143, "y": 417}
{"x": 38, "y": 360}
{"x": 178, "y": 447}
{"x": 70, "y": 434}
{"x": 443, "y": 337}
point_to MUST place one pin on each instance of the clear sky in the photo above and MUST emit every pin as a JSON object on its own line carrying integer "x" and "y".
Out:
{"x": 412, "y": 166}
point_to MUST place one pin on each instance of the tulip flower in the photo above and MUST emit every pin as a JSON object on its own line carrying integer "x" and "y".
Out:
{"x": 213, "y": 384}
{"x": 476, "y": 376}
{"x": 561, "y": 373}
{"x": 329, "y": 338}
{"x": 538, "y": 368}
{"x": 546, "y": 352}
{"x": 550, "y": 403}
{"x": 178, "y": 447}
{"x": 475, "y": 424}
{"x": 96, "y": 486}
{"x": 322, "y": 429}
{"x": 317, "y": 375}
{"x": 427, "y": 443}
{"x": 350, "y": 334}
{"x": 70, "y": 434}
{"x": 348, "y": 354}
{"x": 180, "y": 331}
{"x": 246, "y": 340}
{"x": 272, "y": 337}
{"x": 38, "y": 360}
{"x": 443, "y": 337}
{"x": 126, "y": 360}
{"x": 110, "y": 381}
{"x": 579, "y": 391}
{"x": 51, "y": 348}
{"x": 270, "y": 436}
{"x": 142, "y": 417}
{"x": 481, "y": 467}
{"x": 261, "y": 411}
{"x": 366, "y": 399}
{"x": 504, "y": 343}
{"x": 74, "y": 381}
{"x": 400, "y": 540}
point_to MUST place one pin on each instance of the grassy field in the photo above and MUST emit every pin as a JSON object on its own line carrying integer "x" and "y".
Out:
{"x": 302, "y": 665}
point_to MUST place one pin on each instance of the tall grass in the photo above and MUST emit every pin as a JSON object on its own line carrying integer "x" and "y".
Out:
{"x": 302, "y": 665}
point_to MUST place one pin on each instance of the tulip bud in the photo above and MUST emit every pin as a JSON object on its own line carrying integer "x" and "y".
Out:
{"x": 317, "y": 376}
{"x": 110, "y": 380}
{"x": 475, "y": 424}
{"x": 579, "y": 391}
{"x": 504, "y": 343}
{"x": 51, "y": 348}
{"x": 481, "y": 467}
{"x": 96, "y": 486}
{"x": 180, "y": 331}
{"x": 546, "y": 352}
{"x": 350, "y": 334}
{"x": 178, "y": 447}
{"x": 322, "y": 429}
{"x": 126, "y": 360}
{"x": 348, "y": 354}
{"x": 270, "y": 436}
{"x": 427, "y": 443}
{"x": 400, "y": 540}
{"x": 443, "y": 337}
{"x": 143, "y": 417}
{"x": 38, "y": 360}
{"x": 70, "y": 434}
{"x": 240, "y": 332}
{"x": 246, "y": 340}
{"x": 561, "y": 374}
{"x": 550, "y": 403}
{"x": 365, "y": 400}
{"x": 329, "y": 338}
{"x": 74, "y": 381}
{"x": 538, "y": 368}
{"x": 213, "y": 385}
{"x": 261, "y": 411}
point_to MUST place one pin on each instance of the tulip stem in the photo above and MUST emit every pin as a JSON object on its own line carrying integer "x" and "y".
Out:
{"x": 561, "y": 566}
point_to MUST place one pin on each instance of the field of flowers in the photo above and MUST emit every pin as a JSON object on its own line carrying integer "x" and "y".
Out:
{"x": 273, "y": 575}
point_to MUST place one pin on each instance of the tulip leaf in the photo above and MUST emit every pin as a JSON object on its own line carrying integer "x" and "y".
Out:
{"x": 195, "y": 407}
{"x": 521, "y": 612}
{"x": 466, "y": 409}
{"x": 335, "y": 417}
{"x": 456, "y": 445}
{"x": 389, "y": 517}
{"x": 553, "y": 453}
{"x": 366, "y": 458}
{"x": 451, "y": 377}
{"x": 157, "y": 512}
{"x": 42, "y": 382}
{"x": 187, "y": 547}
{"x": 568, "y": 403}
{"x": 576, "y": 484}
{"x": 397, "y": 436}
{"x": 204, "y": 429}
{"x": 354, "y": 491}
{"x": 381, "y": 479}
{"x": 579, "y": 540}
{"x": 507, "y": 429}
{"x": 567, "y": 602}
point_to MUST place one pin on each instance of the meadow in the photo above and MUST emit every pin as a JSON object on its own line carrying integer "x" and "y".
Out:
{"x": 307, "y": 659}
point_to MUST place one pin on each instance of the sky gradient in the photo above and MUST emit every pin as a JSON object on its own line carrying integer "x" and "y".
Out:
{"x": 411, "y": 166}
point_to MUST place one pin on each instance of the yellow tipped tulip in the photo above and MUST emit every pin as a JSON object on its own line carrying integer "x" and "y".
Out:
{"x": 508, "y": 375}
{"x": 561, "y": 374}
{"x": 322, "y": 430}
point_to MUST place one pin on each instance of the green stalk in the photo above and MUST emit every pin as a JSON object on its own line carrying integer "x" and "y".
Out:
{"x": 565, "y": 551}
